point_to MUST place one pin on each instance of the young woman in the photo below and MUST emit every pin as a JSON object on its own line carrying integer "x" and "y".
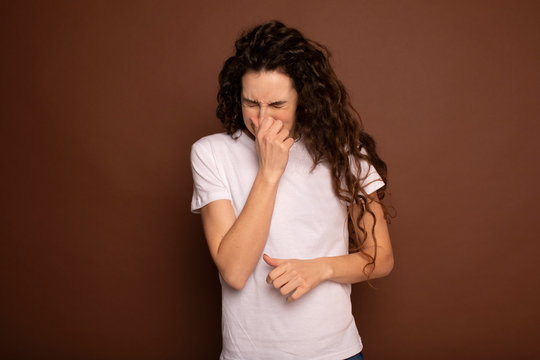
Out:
{"x": 289, "y": 198}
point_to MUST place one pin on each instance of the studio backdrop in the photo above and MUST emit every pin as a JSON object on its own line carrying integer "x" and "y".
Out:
{"x": 101, "y": 101}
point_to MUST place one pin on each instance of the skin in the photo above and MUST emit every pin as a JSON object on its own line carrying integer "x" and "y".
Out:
{"x": 269, "y": 103}
{"x": 268, "y": 94}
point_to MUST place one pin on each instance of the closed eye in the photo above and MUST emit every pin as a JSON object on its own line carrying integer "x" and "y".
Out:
{"x": 250, "y": 103}
{"x": 278, "y": 104}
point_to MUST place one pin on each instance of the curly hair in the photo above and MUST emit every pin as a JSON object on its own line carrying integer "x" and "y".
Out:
{"x": 325, "y": 119}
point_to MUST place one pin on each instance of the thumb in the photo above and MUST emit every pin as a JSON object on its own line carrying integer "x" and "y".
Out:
{"x": 272, "y": 261}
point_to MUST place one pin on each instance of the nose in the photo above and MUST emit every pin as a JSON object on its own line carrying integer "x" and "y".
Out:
{"x": 263, "y": 111}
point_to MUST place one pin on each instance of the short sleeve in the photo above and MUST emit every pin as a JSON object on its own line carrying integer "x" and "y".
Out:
{"x": 373, "y": 180}
{"x": 208, "y": 185}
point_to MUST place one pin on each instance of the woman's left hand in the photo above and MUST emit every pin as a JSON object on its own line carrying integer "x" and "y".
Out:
{"x": 293, "y": 277}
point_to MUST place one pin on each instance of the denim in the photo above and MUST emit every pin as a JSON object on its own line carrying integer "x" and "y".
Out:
{"x": 358, "y": 356}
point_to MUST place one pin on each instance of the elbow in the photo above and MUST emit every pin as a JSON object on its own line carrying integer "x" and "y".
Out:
{"x": 390, "y": 264}
{"x": 385, "y": 266}
{"x": 236, "y": 284}
{"x": 234, "y": 274}
{"x": 235, "y": 281}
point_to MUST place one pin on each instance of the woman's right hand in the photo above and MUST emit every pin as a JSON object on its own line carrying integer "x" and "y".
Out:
{"x": 272, "y": 143}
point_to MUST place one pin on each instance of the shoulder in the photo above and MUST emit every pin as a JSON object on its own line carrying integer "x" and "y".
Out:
{"x": 221, "y": 139}
{"x": 210, "y": 140}
{"x": 202, "y": 150}
{"x": 220, "y": 145}
{"x": 363, "y": 150}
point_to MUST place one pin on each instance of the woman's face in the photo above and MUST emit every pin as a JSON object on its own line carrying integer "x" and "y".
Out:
{"x": 268, "y": 94}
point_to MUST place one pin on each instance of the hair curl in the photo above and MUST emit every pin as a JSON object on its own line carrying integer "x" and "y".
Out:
{"x": 327, "y": 122}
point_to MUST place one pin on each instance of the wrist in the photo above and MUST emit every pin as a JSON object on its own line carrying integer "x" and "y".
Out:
{"x": 269, "y": 178}
{"x": 327, "y": 270}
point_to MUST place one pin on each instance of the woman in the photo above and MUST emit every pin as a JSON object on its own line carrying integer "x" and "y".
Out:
{"x": 289, "y": 199}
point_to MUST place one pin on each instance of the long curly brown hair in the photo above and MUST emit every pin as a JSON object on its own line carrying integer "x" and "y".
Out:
{"x": 327, "y": 122}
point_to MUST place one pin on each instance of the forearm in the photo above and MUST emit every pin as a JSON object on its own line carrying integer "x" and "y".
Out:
{"x": 242, "y": 246}
{"x": 348, "y": 269}
{"x": 294, "y": 277}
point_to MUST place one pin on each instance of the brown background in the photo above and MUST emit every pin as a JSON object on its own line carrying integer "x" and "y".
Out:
{"x": 101, "y": 101}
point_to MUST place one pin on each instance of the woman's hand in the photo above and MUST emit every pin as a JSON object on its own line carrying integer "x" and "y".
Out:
{"x": 293, "y": 277}
{"x": 272, "y": 143}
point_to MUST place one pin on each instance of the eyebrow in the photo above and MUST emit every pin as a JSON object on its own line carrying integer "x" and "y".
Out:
{"x": 280, "y": 102}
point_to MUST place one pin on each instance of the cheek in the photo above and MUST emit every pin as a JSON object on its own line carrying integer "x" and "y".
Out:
{"x": 289, "y": 117}
{"x": 246, "y": 114}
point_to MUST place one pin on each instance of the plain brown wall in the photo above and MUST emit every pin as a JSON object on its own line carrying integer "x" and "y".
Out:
{"x": 101, "y": 101}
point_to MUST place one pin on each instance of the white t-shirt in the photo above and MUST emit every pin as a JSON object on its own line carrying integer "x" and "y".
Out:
{"x": 308, "y": 221}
